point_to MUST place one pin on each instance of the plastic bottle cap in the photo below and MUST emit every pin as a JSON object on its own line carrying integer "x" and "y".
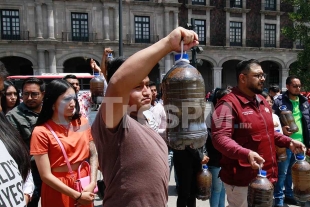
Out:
{"x": 178, "y": 56}
{"x": 110, "y": 55}
{"x": 277, "y": 130}
{"x": 204, "y": 166}
{"x": 283, "y": 108}
{"x": 96, "y": 74}
{"x": 263, "y": 173}
{"x": 300, "y": 157}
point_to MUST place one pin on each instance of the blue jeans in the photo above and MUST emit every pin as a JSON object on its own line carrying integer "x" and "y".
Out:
{"x": 217, "y": 198}
{"x": 284, "y": 179}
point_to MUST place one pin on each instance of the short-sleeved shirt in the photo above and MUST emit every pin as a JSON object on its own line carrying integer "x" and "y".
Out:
{"x": 11, "y": 187}
{"x": 134, "y": 164}
{"x": 24, "y": 120}
{"x": 75, "y": 141}
{"x": 85, "y": 103}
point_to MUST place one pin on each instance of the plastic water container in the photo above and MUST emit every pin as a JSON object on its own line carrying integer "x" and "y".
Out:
{"x": 301, "y": 179}
{"x": 287, "y": 119}
{"x": 260, "y": 191}
{"x": 97, "y": 89}
{"x": 281, "y": 152}
{"x": 204, "y": 183}
{"x": 184, "y": 99}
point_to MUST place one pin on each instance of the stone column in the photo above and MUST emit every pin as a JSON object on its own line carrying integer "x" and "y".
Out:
{"x": 41, "y": 61}
{"x": 262, "y": 33}
{"x": 278, "y": 32}
{"x": 106, "y": 23}
{"x": 208, "y": 27}
{"x": 217, "y": 77}
{"x": 284, "y": 74}
{"x": 39, "y": 21}
{"x": 166, "y": 22}
{"x": 52, "y": 61}
{"x": 35, "y": 70}
{"x": 243, "y": 29}
{"x": 176, "y": 19}
{"x": 227, "y": 41}
{"x": 50, "y": 21}
{"x": 116, "y": 23}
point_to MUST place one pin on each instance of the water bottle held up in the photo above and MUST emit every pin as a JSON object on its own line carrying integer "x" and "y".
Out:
{"x": 287, "y": 119}
{"x": 97, "y": 88}
{"x": 110, "y": 56}
{"x": 183, "y": 87}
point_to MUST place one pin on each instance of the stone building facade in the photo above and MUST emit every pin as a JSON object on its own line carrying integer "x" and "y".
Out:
{"x": 39, "y": 36}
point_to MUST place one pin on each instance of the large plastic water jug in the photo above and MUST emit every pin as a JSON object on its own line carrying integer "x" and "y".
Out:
{"x": 281, "y": 152}
{"x": 204, "y": 183}
{"x": 97, "y": 88}
{"x": 287, "y": 119}
{"x": 260, "y": 191}
{"x": 184, "y": 100}
{"x": 301, "y": 179}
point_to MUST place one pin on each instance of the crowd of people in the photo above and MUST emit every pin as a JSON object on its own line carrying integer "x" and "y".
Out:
{"x": 128, "y": 143}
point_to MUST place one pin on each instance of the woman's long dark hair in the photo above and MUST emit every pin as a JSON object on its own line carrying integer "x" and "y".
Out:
{"x": 4, "y": 105}
{"x": 15, "y": 146}
{"x": 52, "y": 91}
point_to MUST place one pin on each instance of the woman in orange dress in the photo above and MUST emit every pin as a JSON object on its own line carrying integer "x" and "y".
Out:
{"x": 60, "y": 111}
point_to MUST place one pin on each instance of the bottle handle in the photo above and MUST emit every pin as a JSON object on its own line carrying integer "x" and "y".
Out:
{"x": 260, "y": 170}
{"x": 181, "y": 57}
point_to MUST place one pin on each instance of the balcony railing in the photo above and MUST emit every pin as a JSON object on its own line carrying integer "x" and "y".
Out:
{"x": 18, "y": 35}
{"x": 89, "y": 37}
{"x": 132, "y": 38}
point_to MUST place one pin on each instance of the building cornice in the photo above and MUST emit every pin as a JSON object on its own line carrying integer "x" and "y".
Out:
{"x": 199, "y": 7}
{"x": 271, "y": 13}
{"x": 236, "y": 10}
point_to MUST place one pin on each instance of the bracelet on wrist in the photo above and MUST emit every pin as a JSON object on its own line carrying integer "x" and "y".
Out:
{"x": 79, "y": 197}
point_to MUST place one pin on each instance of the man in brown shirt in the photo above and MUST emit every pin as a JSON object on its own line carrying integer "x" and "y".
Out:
{"x": 132, "y": 156}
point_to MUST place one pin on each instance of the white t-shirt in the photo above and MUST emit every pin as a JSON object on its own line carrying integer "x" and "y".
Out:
{"x": 11, "y": 183}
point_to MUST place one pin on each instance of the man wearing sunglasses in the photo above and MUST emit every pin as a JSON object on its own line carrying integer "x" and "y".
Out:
{"x": 299, "y": 107}
{"x": 24, "y": 117}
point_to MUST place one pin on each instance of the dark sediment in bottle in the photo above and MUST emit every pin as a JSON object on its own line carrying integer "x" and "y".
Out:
{"x": 281, "y": 152}
{"x": 184, "y": 100}
{"x": 204, "y": 182}
{"x": 301, "y": 179}
{"x": 287, "y": 119}
{"x": 97, "y": 89}
{"x": 260, "y": 191}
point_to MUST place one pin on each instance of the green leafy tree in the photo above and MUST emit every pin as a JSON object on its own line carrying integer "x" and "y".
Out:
{"x": 300, "y": 31}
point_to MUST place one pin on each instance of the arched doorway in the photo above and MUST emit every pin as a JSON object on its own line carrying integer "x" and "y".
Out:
{"x": 17, "y": 65}
{"x": 272, "y": 69}
{"x": 229, "y": 73}
{"x": 78, "y": 65}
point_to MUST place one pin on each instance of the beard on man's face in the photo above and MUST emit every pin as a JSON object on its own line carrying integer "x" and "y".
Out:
{"x": 293, "y": 93}
{"x": 256, "y": 90}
